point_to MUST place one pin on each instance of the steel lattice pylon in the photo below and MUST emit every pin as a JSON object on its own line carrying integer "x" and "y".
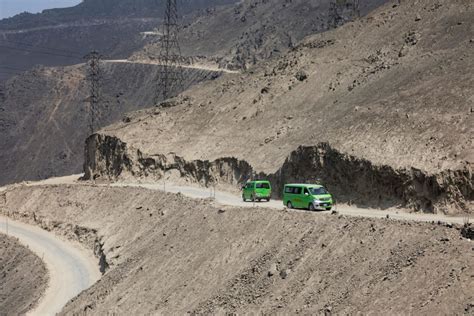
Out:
{"x": 342, "y": 11}
{"x": 94, "y": 77}
{"x": 170, "y": 76}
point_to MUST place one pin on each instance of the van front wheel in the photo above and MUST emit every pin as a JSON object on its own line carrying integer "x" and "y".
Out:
{"x": 289, "y": 205}
{"x": 311, "y": 207}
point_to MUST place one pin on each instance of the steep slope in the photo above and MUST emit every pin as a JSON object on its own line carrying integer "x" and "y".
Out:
{"x": 23, "y": 277}
{"x": 90, "y": 9}
{"x": 44, "y": 114}
{"x": 167, "y": 254}
{"x": 383, "y": 107}
{"x": 237, "y": 36}
{"x": 30, "y": 151}
{"x": 112, "y": 27}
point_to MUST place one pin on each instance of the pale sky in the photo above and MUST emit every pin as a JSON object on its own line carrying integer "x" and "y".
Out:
{"x": 10, "y": 8}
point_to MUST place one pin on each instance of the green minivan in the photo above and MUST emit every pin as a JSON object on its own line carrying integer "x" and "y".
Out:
{"x": 307, "y": 196}
{"x": 257, "y": 191}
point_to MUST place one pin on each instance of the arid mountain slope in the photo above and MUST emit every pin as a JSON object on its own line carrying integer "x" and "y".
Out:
{"x": 167, "y": 254}
{"x": 239, "y": 35}
{"x": 111, "y": 27}
{"x": 96, "y": 9}
{"x": 71, "y": 41}
{"x": 44, "y": 114}
{"x": 37, "y": 148}
{"x": 393, "y": 93}
{"x": 23, "y": 277}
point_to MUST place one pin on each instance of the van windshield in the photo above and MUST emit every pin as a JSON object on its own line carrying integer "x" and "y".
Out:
{"x": 318, "y": 191}
{"x": 262, "y": 186}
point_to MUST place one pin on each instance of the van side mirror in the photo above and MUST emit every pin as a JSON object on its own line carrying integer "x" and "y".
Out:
{"x": 306, "y": 193}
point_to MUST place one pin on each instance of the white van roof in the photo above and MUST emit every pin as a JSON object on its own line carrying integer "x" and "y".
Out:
{"x": 304, "y": 185}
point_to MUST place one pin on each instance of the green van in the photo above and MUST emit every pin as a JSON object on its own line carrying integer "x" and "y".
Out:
{"x": 257, "y": 191}
{"x": 307, "y": 196}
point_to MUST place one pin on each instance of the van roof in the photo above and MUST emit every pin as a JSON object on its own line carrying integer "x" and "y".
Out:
{"x": 304, "y": 185}
{"x": 259, "y": 181}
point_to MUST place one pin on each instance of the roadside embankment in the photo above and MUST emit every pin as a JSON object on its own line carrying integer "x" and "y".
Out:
{"x": 170, "y": 254}
{"x": 352, "y": 179}
{"x": 23, "y": 277}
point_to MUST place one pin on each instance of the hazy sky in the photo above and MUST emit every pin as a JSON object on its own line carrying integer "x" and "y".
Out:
{"x": 11, "y": 7}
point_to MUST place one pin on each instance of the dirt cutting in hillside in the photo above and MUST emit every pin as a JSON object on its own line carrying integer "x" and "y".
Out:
{"x": 23, "y": 277}
{"x": 166, "y": 253}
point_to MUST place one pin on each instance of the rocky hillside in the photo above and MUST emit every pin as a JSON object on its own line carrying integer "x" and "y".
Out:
{"x": 239, "y": 35}
{"x": 44, "y": 114}
{"x": 220, "y": 260}
{"x": 381, "y": 106}
{"x": 23, "y": 277}
{"x": 113, "y": 27}
{"x": 34, "y": 96}
{"x": 93, "y": 9}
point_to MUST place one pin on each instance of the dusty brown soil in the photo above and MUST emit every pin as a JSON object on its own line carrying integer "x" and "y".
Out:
{"x": 239, "y": 35}
{"x": 394, "y": 89}
{"x": 23, "y": 277}
{"x": 172, "y": 255}
{"x": 360, "y": 95}
{"x": 45, "y": 138}
{"x": 112, "y": 27}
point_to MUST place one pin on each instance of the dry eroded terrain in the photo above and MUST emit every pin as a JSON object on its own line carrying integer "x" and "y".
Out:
{"x": 165, "y": 253}
{"x": 23, "y": 277}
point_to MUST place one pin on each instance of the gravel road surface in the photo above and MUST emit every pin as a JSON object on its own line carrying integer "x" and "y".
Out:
{"x": 71, "y": 269}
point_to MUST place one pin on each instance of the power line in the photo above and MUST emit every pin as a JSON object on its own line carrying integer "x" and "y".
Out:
{"x": 7, "y": 72}
{"x": 38, "y": 52}
{"x": 12, "y": 68}
{"x": 41, "y": 47}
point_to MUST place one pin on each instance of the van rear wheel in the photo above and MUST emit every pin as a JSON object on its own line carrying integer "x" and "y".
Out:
{"x": 289, "y": 205}
{"x": 243, "y": 198}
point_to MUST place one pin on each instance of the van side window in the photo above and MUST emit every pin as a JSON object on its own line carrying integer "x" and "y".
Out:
{"x": 296, "y": 190}
{"x": 289, "y": 190}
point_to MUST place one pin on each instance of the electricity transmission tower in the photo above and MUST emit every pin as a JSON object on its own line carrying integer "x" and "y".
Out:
{"x": 94, "y": 77}
{"x": 170, "y": 77}
{"x": 342, "y": 11}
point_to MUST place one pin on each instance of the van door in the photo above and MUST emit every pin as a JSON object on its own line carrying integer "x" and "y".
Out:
{"x": 248, "y": 191}
{"x": 287, "y": 195}
{"x": 297, "y": 197}
{"x": 306, "y": 198}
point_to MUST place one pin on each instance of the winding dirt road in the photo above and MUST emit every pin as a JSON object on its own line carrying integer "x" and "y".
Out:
{"x": 226, "y": 198}
{"x": 230, "y": 199}
{"x": 71, "y": 268}
{"x": 193, "y": 66}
